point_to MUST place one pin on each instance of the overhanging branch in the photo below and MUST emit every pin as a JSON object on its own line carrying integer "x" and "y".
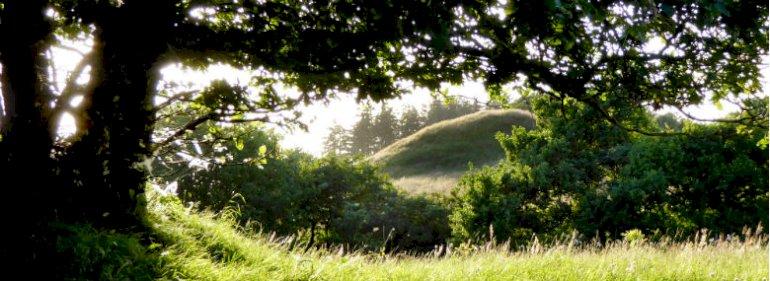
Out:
{"x": 192, "y": 125}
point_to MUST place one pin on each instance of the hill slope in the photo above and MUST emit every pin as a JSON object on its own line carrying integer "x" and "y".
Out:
{"x": 432, "y": 159}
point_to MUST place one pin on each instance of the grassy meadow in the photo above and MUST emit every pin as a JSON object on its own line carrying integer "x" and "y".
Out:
{"x": 190, "y": 245}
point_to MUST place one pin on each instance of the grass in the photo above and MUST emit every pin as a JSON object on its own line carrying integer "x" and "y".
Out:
{"x": 430, "y": 182}
{"x": 433, "y": 158}
{"x": 203, "y": 246}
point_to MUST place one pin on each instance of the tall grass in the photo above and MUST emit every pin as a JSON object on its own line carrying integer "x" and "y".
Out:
{"x": 428, "y": 183}
{"x": 204, "y": 246}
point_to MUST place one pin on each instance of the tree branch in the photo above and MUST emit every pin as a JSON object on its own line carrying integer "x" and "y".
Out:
{"x": 172, "y": 99}
{"x": 189, "y": 127}
{"x": 743, "y": 120}
{"x": 70, "y": 88}
{"x": 617, "y": 123}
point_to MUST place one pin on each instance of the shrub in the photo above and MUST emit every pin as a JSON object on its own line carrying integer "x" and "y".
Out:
{"x": 633, "y": 237}
{"x": 334, "y": 199}
{"x": 579, "y": 171}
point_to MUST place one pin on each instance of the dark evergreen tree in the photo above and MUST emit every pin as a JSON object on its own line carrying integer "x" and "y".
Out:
{"x": 436, "y": 112}
{"x": 411, "y": 121}
{"x": 363, "y": 137}
{"x": 439, "y": 111}
{"x": 338, "y": 141}
{"x": 385, "y": 127}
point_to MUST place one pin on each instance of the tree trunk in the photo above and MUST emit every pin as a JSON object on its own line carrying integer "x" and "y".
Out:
{"x": 26, "y": 147}
{"x": 311, "y": 242}
{"x": 107, "y": 159}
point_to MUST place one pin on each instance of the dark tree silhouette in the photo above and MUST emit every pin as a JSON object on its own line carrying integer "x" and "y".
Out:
{"x": 411, "y": 121}
{"x": 363, "y": 137}
{"x": 338, "y": 141}
{"x": 386, "y": 127}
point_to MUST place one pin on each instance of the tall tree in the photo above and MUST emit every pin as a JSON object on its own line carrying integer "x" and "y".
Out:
{"x": 411, "y": 121}
{"x": 385, "y": 127}
{"x": 436, "y": 112}
{"x": 100, "y": 171}
{"x": 26, "y": 142}
{"x": 338, "y": 141}
{"x": 439, "y": 110}
{"x": 363, "y": 137}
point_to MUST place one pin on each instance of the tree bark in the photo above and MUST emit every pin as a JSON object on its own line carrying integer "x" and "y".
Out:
{"x": 107, "y": 159}
{"x": 26, "y": 147}
{"x": 312, "y": 237}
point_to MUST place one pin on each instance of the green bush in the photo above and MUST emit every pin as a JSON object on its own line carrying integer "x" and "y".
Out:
{"x": 633, "y": 237}
{"x": 711, "y": 177}
{"x": 394, "y": 221}
{"x": 578, "y": 171}
{"x": 331, "y": 200}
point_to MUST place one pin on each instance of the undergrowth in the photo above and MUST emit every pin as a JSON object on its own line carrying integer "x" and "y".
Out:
{"x": 191, "y": 245}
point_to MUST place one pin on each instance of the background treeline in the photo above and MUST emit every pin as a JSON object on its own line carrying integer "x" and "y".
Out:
{"x": 373, "y": 132}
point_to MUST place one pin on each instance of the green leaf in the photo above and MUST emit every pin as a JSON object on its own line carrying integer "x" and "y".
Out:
{"x": 262, "y": 150}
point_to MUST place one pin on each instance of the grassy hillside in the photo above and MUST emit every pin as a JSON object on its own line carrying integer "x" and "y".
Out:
{"x": 187, "y": 245}
{"x": 432, "y": 159}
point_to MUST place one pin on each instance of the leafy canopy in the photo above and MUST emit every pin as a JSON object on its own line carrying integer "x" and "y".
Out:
{"x": 653, "y": 53}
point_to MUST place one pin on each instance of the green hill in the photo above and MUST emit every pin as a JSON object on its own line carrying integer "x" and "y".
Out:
{"x": 432, "y": 159}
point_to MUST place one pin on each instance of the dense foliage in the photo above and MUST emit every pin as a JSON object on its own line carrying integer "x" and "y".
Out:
{"x": 331, "y": 199}
{"x": 579, "y": 172}
{"x": 372, "y": 133}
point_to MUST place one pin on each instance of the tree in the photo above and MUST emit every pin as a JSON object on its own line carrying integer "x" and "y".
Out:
{"x": 436, "y": 112}
{"x": 385, "y": 127}
{"x": 363, "y": 137}
{"x": 411, "y": 121}
{"x": 338, "y": 141}
{"x": 595, "y": 53}
{"x": 669, "y": 121}
{"x": 100, "y": 170}
{"x": 452, "y": 108}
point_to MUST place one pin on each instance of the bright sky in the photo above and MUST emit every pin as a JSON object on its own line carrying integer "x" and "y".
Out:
{"x": 319, "y": 116}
